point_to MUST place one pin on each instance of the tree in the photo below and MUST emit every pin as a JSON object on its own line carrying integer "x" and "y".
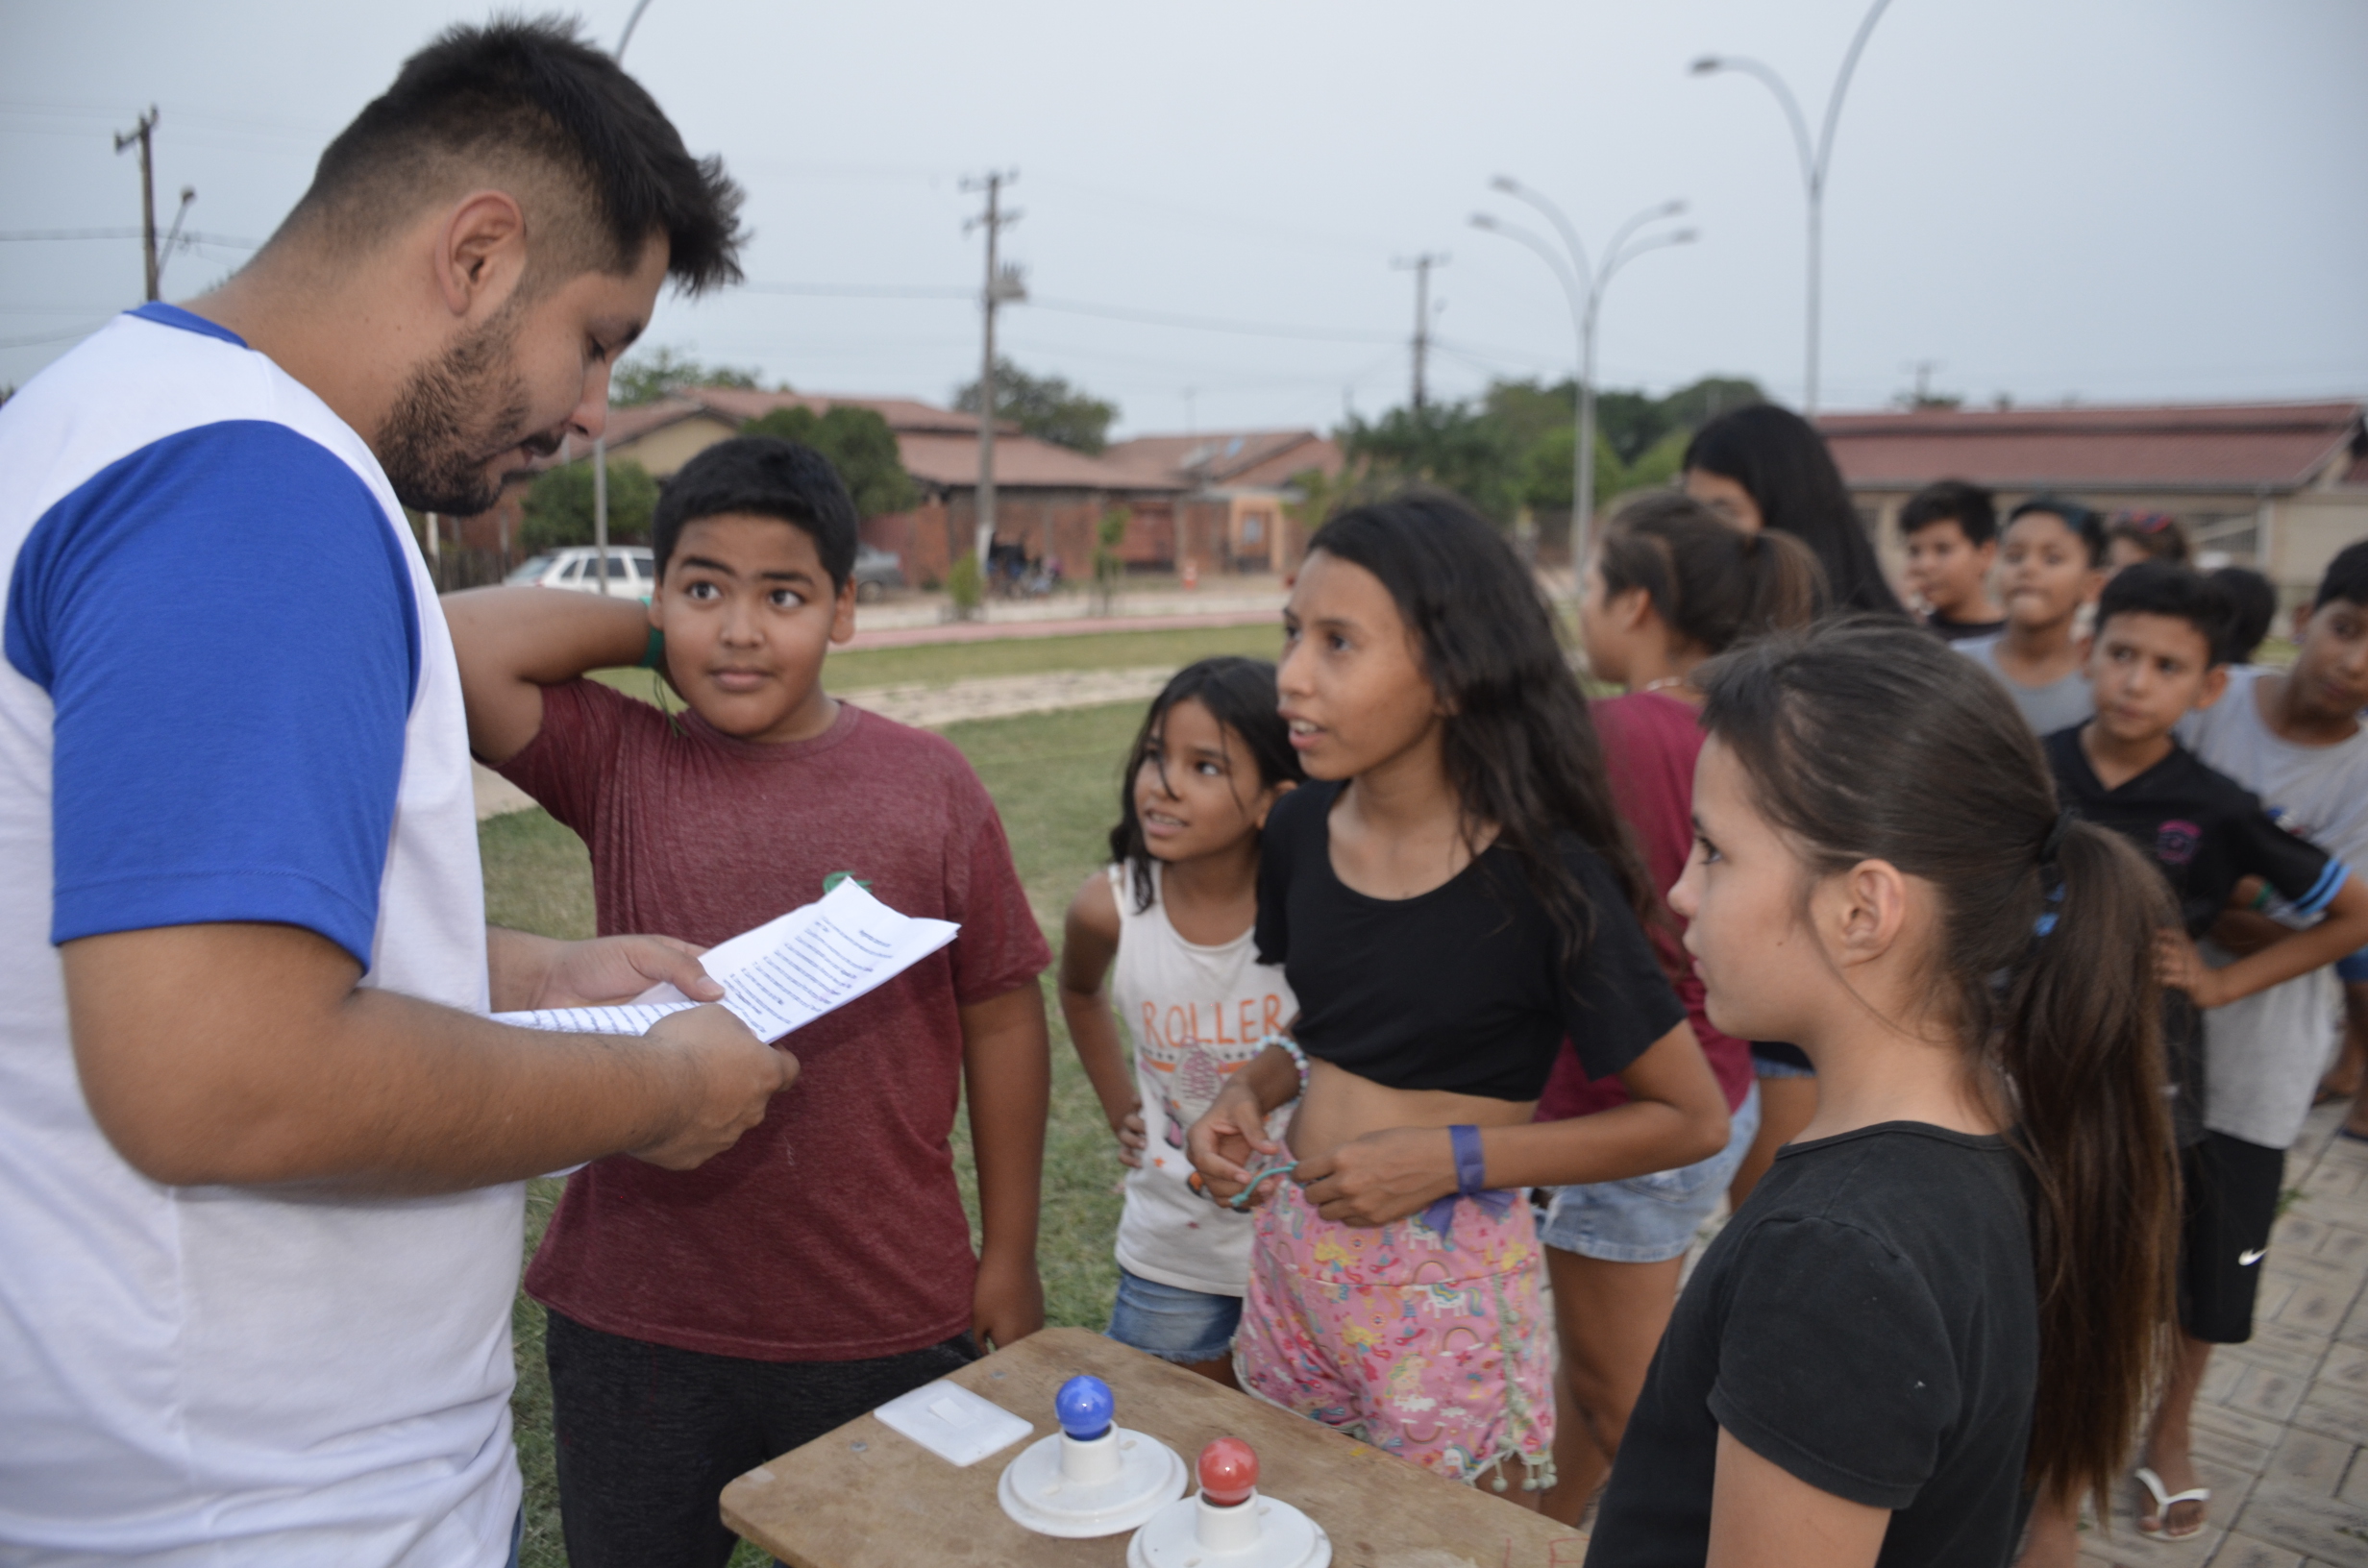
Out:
{"x": 1454, "y": 445}
{"x": 1046, "y": 407}
{"x": 558, "y": 506}
{"x": 1690, "y": 407}
{"x": 648, "y": 377}
{"x": 1529, "y": 411}
{"x": 859, "y": 445}
{"x": 1547, "y": 476}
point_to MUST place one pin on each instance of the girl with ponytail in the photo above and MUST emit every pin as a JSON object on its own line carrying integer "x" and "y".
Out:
{"x": 1952, "y": 1294}
{"x": 1668, "y": 587}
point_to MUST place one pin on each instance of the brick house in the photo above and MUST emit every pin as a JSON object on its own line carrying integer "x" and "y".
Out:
{"x": 1232, "y": 507}
{"x": 1049, "y": 499}
{"x": 2276, "y": 486}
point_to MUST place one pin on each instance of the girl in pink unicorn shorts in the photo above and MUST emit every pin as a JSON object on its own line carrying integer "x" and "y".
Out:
{"x": 1451, "y": 896}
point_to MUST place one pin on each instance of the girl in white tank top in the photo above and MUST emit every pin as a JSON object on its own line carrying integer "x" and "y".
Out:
{"x": 1175, "y": 912}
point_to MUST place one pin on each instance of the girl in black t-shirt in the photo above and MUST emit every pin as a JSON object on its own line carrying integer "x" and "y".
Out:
{"x": 1451, "y": 896}
{"x": 1953, "y": 1291}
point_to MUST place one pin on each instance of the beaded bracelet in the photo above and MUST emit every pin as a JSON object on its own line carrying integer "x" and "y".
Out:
{"x": 1298, "y": 1057}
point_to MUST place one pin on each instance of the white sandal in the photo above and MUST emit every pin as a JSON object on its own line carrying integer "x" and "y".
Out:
{"x": 2164, "y": 1502}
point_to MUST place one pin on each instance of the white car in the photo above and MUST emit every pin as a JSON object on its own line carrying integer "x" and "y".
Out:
{"x": 631, "y": 570}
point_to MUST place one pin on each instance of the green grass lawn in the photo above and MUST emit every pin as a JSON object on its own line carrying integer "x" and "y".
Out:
{"x": 1054, "y": 777}
{"x": 943, "y": 663}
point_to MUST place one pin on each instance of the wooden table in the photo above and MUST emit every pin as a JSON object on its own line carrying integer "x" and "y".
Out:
{"x": 867, "y": 1497}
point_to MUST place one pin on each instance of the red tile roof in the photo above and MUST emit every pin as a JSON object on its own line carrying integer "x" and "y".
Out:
{"x": 939, "y": 446}
{"x": 1021, "y": 461}
{"x": 902, "y": 415}
{"x": 1227, "y": 457}
{"x": 2239, "y": 447}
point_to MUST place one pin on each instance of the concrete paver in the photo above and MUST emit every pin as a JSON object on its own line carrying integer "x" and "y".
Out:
{"x": 2282, "y": 1427}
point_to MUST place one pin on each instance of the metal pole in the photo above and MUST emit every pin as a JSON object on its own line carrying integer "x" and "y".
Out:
{"x": 1585, "y": 288}
{"x": 599, "y": 504}
{"x": 986, "y": 387}
{"x": 1815, "y": 160}
{"x": 1420, "y": 266}
{"x": 600, "y": 442}
{"x": 142, "y": 132}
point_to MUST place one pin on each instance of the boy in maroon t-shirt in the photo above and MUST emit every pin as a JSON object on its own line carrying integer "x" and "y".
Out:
{"x": 701, "y": 1322}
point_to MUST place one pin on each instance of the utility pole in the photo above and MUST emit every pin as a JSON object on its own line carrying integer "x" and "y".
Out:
{"x": 142, "y": 132}
{"x": 1420, "y": 266}
{"x": 1004, "y": 286}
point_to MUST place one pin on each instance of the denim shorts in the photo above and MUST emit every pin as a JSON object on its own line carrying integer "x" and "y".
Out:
{"x": 1650, "y": 1219}
{"x": 1173, "y": 1323}
{"x": 2353, "y": 967}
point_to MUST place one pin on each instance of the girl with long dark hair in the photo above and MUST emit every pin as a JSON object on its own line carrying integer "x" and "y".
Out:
{"x": 1954, "y": 1291}
{"x": 1451, "y": 895}
{"x": 1667, "y": 588}
{"x": 1766, "y": 467}
{"x": 1171, "y": 915}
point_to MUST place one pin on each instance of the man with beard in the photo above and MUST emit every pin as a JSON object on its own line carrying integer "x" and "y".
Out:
{"x": 260, "y": 1151}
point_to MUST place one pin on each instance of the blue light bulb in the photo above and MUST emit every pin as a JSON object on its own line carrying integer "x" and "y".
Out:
{"x": 1083, "y": 1408}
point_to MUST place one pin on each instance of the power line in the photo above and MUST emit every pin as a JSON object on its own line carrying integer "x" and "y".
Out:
{"x": 228, "y": 241}
{"x": 84, "y": 330}
{"x": 1214, "y": 324}
{"x": 866, "y": 291}
{"x": 1083, "y": 308}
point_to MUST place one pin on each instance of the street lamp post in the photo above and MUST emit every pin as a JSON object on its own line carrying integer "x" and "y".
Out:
{"x": 1585, "y": 287}
{"x": 600, "y": 442}
{"x": 1814, "y": 160}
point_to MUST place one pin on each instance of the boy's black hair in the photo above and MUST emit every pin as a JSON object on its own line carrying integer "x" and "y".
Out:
{"x": 2082, "y": 520}
{"x": 2156, "y": 533}
{"x": 2252, "y": 604}
{"x": 531, "y": 99}
{"x": 1239, "y": 693}
{"x": 1971, "y": 507}
{"x": 771, "y": 478}
{"x": 2178, "y": 592}
{"x": 2346, "y": 577}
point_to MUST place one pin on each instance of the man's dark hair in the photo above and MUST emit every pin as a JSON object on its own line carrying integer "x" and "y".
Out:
{"x": 2347, "y": 577}
{"x": 770, "y": 479}
{"x": 1972, "y": 508}
{"x": 2177, "y": 592}
{"x": 530, "y": 100}
{"x": 2252, "y": 604}
{"x": 2082, "y": 519}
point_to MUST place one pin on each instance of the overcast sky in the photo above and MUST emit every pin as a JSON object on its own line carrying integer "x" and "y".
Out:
{"x": 2113, "y": 200}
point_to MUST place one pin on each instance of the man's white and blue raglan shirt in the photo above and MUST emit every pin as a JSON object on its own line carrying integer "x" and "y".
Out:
{"x": 228, "y": 695}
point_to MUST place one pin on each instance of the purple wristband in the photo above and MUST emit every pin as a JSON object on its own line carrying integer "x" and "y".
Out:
{"x": 1471, "y": 1170}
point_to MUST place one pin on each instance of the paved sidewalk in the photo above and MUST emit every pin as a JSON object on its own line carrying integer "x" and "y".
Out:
{"x": 2283, "y": 1423}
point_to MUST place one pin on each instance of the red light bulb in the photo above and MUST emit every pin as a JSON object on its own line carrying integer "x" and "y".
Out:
{"x": 1228, "y": 1472}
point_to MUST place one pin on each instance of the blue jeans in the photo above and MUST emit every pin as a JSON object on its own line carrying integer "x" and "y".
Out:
{"x": 1173, "y": 1323}
{"x": 518, "y": 1529}
{"x": 1650, "y": 1219}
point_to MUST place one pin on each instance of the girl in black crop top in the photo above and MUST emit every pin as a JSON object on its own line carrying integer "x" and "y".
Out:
{"x": 1450, "y": 899}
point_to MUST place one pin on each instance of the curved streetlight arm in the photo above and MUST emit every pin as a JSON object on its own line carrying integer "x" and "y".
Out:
{"x": 631, "y": 23}
{"x": 1620, "y": 235}
{"x": 1842, "y": 85}
{"x": 1572, "y": 289}
{"x": 1562, "y": 226}
{"x": 1811, "y": 165}
{"x": 1650, "y": 242}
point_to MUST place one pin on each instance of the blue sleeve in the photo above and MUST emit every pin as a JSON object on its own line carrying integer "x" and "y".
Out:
{"x": 225, "y": 624}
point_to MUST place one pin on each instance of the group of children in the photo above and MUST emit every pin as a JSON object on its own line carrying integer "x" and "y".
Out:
{"x": 1445, "y": 986}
